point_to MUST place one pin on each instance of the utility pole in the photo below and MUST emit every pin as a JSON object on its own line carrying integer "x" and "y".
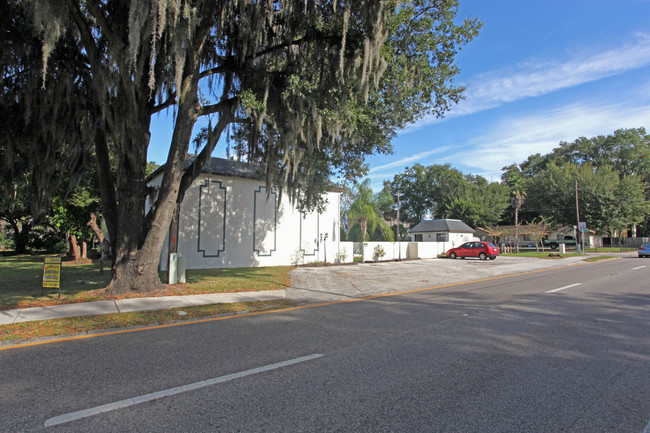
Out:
{"x": 399, "y": 245}
{"x": 516, "y": 202}
{"x": 578, "y": 222}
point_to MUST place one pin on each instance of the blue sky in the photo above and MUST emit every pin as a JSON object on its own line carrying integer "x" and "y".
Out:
{"x": 540, "y": 72}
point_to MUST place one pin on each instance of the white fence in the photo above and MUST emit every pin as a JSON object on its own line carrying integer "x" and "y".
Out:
{"x": 372, "y": 251}
{"x": 345, "y": 253}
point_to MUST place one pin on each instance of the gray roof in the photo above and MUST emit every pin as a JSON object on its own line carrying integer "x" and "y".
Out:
{"x": 456, "y": 226}
{"x": 225, "y": 167}
{"x": 228, "y": 167}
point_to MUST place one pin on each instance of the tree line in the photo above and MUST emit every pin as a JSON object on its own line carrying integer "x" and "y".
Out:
{"x": 608, "y": 175}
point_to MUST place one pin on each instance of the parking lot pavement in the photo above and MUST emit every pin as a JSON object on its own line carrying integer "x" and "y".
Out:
{"x": 335, "y": 283}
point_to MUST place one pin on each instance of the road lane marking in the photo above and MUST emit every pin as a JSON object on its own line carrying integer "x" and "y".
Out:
{"x": 73, "y": 416}
{"x": 638, "y": 267}
{"x": 563, "y": 288}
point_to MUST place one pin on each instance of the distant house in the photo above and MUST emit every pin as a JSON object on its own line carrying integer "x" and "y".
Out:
{"x": 506, "y": 234}
{"x": 530, "y": 236}
{"x": 228, "y": 218}
{"x": 452, "y": 231}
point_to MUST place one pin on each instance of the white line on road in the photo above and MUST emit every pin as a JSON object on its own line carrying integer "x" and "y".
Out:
{"x": 73, "y": 416}
{"x": 562, "y": 288}
{"x": 638, "y": 267}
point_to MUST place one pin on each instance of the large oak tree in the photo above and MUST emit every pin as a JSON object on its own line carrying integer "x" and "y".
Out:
{"x": 320, "y": 84}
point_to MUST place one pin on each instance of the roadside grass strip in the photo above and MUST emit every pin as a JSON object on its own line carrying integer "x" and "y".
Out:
{"x": 87, "y": 324}
{"x": 73, "y": 416}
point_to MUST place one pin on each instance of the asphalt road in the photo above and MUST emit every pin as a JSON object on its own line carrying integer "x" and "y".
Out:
{"x": 564, "y": 350}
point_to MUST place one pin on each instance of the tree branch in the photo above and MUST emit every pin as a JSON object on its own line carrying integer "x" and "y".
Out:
{"x": 212, "y": 71}
{"x": 114, "y": 39}
{"x": 214, "y": 108}
{"x": 86, "y": 35}
{"x": 192, "y": 172}
{"x": 171, "y": 100}
{"x": 226, "y": 67}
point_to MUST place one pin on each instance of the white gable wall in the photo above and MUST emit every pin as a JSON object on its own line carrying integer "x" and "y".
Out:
{"x": 454, "y": 239}
{"x": 228, "y": 222}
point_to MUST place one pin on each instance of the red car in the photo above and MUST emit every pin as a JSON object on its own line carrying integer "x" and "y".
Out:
{"x": 482, "y": 250}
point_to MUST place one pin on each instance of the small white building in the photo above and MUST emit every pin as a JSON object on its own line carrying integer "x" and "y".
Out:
{"x": 454, "y": 232}
{"x": 229, "y": 219}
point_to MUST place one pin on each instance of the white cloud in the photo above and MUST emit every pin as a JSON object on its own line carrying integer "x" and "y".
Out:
{"x": 531, "y": 79}
{"x": 514, "y": 139}
{"x": 519, "y": 137}
{"x": 404, "y": 161}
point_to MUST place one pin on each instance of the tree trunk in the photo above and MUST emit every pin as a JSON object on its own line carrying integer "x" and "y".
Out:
{"x": 93, "y": 225}
{"x": 75, "y": 247}
{"x": 104, "y": 245}
{"x": 134, "y": 270}
{"x": 21, "y": 236}
{"x": 138, "y": 273}
{"x": 139, "y": 238}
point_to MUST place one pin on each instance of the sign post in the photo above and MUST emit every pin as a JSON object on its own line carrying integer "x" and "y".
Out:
{"x": 52, "y": 274}
{"x": 582, "y": 228}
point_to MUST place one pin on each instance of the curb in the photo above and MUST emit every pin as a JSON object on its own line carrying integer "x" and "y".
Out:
{"x": 8, "y": 317}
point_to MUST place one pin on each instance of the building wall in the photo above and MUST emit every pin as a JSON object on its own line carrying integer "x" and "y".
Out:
{"x": 229, "y": 222}
{"x": 453, "y": 239}
{"x": 427, "y": 250}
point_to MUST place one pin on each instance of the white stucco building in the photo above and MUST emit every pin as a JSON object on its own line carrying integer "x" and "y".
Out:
{"x": 229, "y": 219}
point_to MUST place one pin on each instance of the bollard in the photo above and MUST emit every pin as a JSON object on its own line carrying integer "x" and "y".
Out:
{"x": 181, "y": 269}
{"x": 172, "y": 272}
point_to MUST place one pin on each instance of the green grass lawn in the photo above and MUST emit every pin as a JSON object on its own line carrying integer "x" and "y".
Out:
{"x": 21, "y": 280}
{"x": 610, "y": 250}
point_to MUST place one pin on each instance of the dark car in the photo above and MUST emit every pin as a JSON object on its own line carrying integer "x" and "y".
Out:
{"x": 482, "y": 250}
{"x": 644, "y": 250}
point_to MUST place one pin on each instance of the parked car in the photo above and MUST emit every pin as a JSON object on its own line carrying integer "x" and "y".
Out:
{"x": 482, "y": 250}
{"x": 644, "y": 250}
{"x": 555, "y": 243}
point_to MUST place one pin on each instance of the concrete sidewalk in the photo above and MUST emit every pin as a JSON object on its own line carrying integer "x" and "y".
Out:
{"x": 135, "y": 304}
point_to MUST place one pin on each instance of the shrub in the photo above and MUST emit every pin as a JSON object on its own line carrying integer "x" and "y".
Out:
{"x": 378, "y": 253}
{"x": 298, "y": 257}
{"x": 340, "y": 256}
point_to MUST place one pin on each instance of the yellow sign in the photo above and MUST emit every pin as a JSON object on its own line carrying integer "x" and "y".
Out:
{"x": 52, "y": 272}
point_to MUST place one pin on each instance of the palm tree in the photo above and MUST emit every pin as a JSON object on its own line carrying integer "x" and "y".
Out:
{"x": 364, "y": 209}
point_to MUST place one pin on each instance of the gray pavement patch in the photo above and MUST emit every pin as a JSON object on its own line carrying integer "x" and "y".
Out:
{"x": 324, "y": 284}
